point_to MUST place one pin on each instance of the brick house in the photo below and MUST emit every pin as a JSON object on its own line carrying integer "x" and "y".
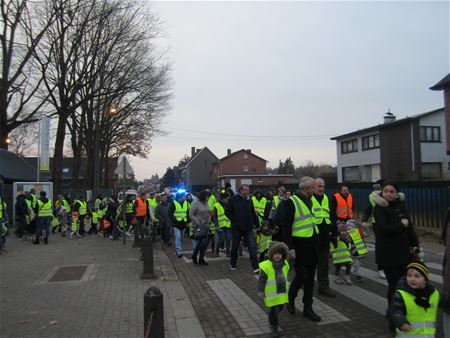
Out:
{"x": 244, "y": 167}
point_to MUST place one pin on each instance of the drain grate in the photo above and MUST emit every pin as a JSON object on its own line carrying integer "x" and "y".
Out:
{"x": 68, "y": 273}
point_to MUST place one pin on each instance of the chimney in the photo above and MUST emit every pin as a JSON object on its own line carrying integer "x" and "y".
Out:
{"x": 228, "y": 152}
{"x": 389, "y": 117}
{"x": 248, "y": 150}
{"x": 444, "y": 85}
{"x": 197, "y": 151}
{"x": 192, "y": 152}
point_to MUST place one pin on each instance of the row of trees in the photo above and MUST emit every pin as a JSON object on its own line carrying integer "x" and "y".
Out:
{"x": 309, "y": 168}
{"x": 91, "y": 65}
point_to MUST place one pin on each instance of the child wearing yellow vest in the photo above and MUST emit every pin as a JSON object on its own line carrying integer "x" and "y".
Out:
{"x": 273, "y": 282}
{"x": 340, "y": 250}
{"x": 263, "y": 239}
{"x": 358, "y": 248}
{"x": 414, "y": 305}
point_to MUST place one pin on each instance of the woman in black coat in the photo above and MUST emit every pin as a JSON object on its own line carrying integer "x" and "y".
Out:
{"x": 396, "y": 239}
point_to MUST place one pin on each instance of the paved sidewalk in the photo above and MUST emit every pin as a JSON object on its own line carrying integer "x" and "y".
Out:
{"x": 106, "y": 302}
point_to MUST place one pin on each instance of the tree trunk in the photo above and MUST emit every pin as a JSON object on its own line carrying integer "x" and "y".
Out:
{"x": 58, "y": 154}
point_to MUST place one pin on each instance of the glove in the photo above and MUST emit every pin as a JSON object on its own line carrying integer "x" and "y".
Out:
{"x": 291, "y": 254}
{"x": 405, "y": 222}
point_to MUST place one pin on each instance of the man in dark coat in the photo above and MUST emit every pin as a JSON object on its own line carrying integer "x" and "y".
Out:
{"x": 306, "y": 250}
{"x": 22, "y": 212}
{"x": 243, "y": 219}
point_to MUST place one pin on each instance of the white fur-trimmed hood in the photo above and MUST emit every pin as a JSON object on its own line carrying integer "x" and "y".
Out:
{"x": 379, "y": 200}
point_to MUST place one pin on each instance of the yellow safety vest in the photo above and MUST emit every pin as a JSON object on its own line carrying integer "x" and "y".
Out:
{"x": 341, "y": 253}
{"x": 321, "y": 211}
{"x": 303, "y": 225}
{"x": 33, "y": 200}
{"x": 361, "y": 248}
{"x": 66, "y": 205}
{"x": 83, "y": 207}
{"x": 260, "y": 206}
{"x": 423, "y": 321}
{"x": 2, "y": 208}
{"x": 180, "y": 212}
{"x": 263, "y": 242}
{"x": 152, "y": 202}
{"x": 224, "y": 221}
{"x": 271, "y": 297}
{"x": 211, "y": 202}
{"x": 276, "y": 201}
{"x": 129, "y": 208}
{"x": 45, "y": 209}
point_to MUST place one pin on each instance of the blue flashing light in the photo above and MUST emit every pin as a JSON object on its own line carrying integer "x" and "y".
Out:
{"x": 181, "y": 191}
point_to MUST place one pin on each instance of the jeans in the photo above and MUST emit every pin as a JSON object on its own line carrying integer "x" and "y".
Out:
{"x": 81, "y": 226}
{"x": 348, "y": 268}
{"x": 273, "y": 314}
{"x": 210, "y": 239}
{"x": 223, "y": 235}
{"x": 250, "y": 242}
{"x": 194, "y": 244}
{"x": 43, "y": 223}
{"x": 356, "y": 266}
{"x": 165, "y": 232}
{"x": 179, "y": 234}
{"x": 201, "y": 245}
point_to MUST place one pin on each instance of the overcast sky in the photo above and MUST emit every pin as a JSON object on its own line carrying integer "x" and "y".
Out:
{"x": 282, "y": 78}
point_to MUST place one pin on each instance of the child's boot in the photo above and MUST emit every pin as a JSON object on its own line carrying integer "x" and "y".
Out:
{"x": 274, "y": 331}
{"x": 347, "y": 280}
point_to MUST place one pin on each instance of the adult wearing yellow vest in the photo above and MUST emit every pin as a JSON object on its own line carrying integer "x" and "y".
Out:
{"x": 179, "y": 215}
{"x": 80, "y": 206}
{"x": 262, "y": 208}
{"x": 223, "y": 224}
{"x": 301, "y": 235}
{"x": 321, "y": 210}
{"x": 44, "y": 213}
{"x": 142, "y": 213}
{"x": 153, "y": 202}
{"x": 341, "y": 205}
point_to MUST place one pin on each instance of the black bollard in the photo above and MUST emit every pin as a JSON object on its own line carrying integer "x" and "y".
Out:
{"x": 137, "y": 235}
{"x": 147, "y": 252}
{"x": 153, "y": 313}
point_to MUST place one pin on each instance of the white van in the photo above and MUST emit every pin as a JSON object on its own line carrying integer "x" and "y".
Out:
{"x": 133, "y": 193}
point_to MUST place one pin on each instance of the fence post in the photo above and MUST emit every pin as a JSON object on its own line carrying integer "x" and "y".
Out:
{"x": 147, "y": 253}
{"x": 153, "y": 313}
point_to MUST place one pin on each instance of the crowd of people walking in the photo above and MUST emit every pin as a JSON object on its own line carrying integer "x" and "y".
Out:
{"x": 301, "y": 231}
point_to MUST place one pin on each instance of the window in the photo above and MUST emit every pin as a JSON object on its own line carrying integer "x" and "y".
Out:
{"x": 371, "y": 142}
{"x": 430, "y": 134}
{"x": 431, "y": 170}
{"x": 245, "y": 168}
{"x": 245, "y": 155}
{"x": 349, "y": 146}
{"x": 260, "y": 180}
{"x": 350, "y": 174}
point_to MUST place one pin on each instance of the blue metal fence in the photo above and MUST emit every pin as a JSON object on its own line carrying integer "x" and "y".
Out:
{"x": 426, "y": 205}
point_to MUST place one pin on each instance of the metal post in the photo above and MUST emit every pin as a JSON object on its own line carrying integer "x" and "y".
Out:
{"x": 147, "y": 253}
{"x": 124, "y": 200}
{"x": 153, "y": 313}
{"x": 38, "y": 152}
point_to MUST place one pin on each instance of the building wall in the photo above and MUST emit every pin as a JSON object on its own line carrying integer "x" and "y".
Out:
{"x": 271, "y": 180}
{"x": 436, "y": 152}
{"x": 200, "y": 170}
{"x": 360, "y": 158}
{"x": 398, "y": 150}
{"x": 235, "y": 164}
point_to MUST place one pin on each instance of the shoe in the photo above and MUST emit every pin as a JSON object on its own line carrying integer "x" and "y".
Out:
{"x": 45, "y": 240}
{"x": 256, "y": 271}
{"x": 232, "y": 267}
{"x": 327, "y": 292}
{"x": 71, "y": 235}
{"x": 79, "y": 236}
{"x": 347, "y": 280}
{"x": 202, "y": 262}
{"x": 110, "y": 237}
{"x": 129, "y": 234}
{"x": 339, "y": 280}
{"x": 381, "y": 274}
{"x": 309, "y": 313}
{"x": 180, "y": 255}
{"x": 194, "y": 259}
{"x": 290, "y": 307}
{"x": 274, "y": 331}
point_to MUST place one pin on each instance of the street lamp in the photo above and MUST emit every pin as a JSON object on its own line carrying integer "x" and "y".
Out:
{"x": 8, "y": 141}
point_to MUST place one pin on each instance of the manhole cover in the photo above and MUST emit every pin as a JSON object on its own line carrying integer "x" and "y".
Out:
{"x": 68, "y": 273}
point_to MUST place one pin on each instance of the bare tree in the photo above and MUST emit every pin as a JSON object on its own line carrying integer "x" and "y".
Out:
{"x": 21, "y": 33}
{"x": 23, "y": 137}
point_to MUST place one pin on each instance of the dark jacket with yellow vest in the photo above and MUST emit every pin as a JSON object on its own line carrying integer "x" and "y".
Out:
{"x": 327, "y": 231}
{"x": 307, "y": 248}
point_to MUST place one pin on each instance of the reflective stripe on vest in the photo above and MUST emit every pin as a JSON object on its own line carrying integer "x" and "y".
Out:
{"x": 211, "y": 202}
{"x": 141, "y": 207}
{"x": 45, "y": 209}
{"x": 341, "y": 254}
{"x": 66, "y": 205}
{"x": 259, "y": 206}
{"x": 423, "y": 322}
{"x": 359, "y": 243}
{"x": 83, "y": 207}
{"x": 33, "y": 200}
{"x": 276, "y": 201}
{"x": 180, "y": 212}
{"x": 271, "y": 297}
{"x": 321, "y": 211}
{"x": 224, "y": 221}
{"x": 303, "y": 225}
{"x": 95, "y": 217}
{"x": 344, "y": 207}
{"x": 263, "y": 242}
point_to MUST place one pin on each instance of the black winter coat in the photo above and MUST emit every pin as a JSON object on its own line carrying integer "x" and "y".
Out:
{"x": 393, "y": 240}
{"x": 241, "y": 213}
